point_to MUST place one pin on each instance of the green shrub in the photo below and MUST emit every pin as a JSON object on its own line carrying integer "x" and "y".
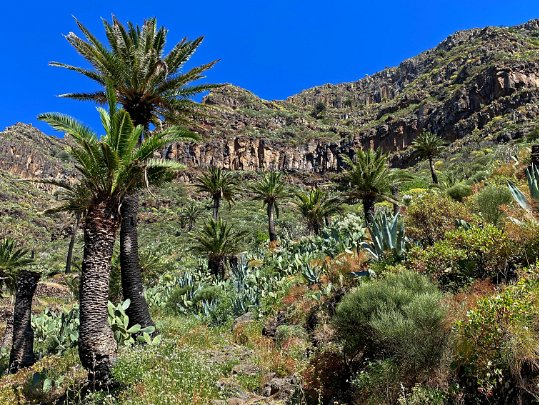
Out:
{"x": 479, "y": 176}
{"x": 420, "y": 395}
{"x": 377, "y": 383}
{"x": 286, "y": 332}
{"x": 459, "y": 191}
{"x": 431, "y": 215}
{"x": 465, "y": 254}
{"x": 497, "y": 345}
{"x": 489, "y": 201}
{"x": 399, "y": 316}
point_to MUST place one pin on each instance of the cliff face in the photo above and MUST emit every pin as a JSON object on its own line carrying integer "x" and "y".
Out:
{"x": 28, "y": 153}
{"x": 479, "y": 84}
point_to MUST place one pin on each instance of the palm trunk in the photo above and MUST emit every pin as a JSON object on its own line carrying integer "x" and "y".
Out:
{"x": 395, "y": 195}
{"x": 216, "y": 204}
{"x": 216, "y": 266}
{"x": 22, "y": 348}
{"x": 69, "y": 259}
{"x": 97, "y": 346}
{"x": 316, "y": 228}
{"x": 368, "y": 209}
{"x": 271, "y": 223}
{"x": 132, "y": 288}
{"x": 432, "y": 172}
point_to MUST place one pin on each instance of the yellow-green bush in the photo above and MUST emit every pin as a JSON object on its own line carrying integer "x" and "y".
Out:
{"x": 497, "y": 346}
{"x": 431, "y": 215}
{"x": 465, "y": 254}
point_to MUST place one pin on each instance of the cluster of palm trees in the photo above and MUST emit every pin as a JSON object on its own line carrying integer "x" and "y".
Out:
{"x": 142, "y": 88}
{"x": 151, "y": 87}
{"x": 367, "y": 178}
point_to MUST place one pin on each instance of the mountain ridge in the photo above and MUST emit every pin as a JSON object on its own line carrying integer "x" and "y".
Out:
{"x": 481, "y": 83}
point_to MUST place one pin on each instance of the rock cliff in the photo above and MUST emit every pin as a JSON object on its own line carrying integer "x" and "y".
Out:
{"x": 477, "y": 85}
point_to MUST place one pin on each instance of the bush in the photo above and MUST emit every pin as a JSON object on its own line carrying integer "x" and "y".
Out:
{"x": 497, "y": 346}
{"x": 325, "y": 377}
{"x": 489, "y": 201}
{"x": 459, "y": 191}
{"x": 398, "y": 317}
{"x": 377, "y": 383}
{"x": 420, "y": 395}
{"x": 431, "y": 215}
{"x": 465, "y": 254}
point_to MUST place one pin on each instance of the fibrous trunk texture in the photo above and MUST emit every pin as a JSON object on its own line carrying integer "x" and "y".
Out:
{"x": 395, "y": 195}
{"x": 368, "y": 209}
{"x": 271, "y": 222}
{"x": 22, "y": 348}
{"x": 433, "y": 172}
{"x": 132, "y": 287}
{"x": 216, "y": 266}
{"x": 97, "y": 346}
{"x": 216, "y": 204}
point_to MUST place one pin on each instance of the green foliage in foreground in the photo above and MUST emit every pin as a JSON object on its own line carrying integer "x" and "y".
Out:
{"x": 499, "y": 340}
{"x": 399, "y": 316}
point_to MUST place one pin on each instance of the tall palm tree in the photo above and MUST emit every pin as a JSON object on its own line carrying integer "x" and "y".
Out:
{"x": 316, "y": 206}
{"x": 429, "y": 145}
{"x": 270, "y": 189}
{"x": 23, "y": 282}
{"x": 219, "y": 241}
{"x": 369, "y": 179}
{"x": 220, "y": 184}
{"x": 111, "y": 168}
{"x": 150, "y": 86}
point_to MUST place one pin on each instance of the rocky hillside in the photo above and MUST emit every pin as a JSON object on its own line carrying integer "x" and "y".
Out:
{"x": 479, "y": 84}
{"x": 476, "y": 84}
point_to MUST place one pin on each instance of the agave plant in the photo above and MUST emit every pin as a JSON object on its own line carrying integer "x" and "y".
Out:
{"x": 532, "y": 176}
{"x": 312, "y": 273}
{"x": 387, "y": 237}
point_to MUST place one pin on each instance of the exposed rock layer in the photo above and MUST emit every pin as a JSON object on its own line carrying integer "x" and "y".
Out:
{"x": 476, "y": 84}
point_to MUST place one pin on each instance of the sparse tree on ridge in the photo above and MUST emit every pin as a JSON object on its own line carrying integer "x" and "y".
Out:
{"x": 150, "y": 86}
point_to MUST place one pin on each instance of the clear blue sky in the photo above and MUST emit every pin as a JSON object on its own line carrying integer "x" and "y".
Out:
{"x": 275, "y": 48}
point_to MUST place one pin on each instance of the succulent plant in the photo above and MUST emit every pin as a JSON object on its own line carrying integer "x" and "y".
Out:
{"x": 387, "y": 237}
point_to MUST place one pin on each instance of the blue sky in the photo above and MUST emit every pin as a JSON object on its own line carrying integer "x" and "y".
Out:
{"x": 274, "y": 48}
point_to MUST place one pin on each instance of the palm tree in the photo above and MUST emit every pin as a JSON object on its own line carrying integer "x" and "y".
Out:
{"x": 11, "y": 260}
{"x": 370, "y": 179}
{"x": 23, "y": 283}
{"x": 270, "y": 189}
{"x": 150, "y": 86}
{"x": 189, "y": 215}
{"x": 221, "y": 185}
{"x": 316, "y": 206}
{"x": 111, "y": 168}
{"x": 429, "y": 145}
{"x": 220, "y": 242}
